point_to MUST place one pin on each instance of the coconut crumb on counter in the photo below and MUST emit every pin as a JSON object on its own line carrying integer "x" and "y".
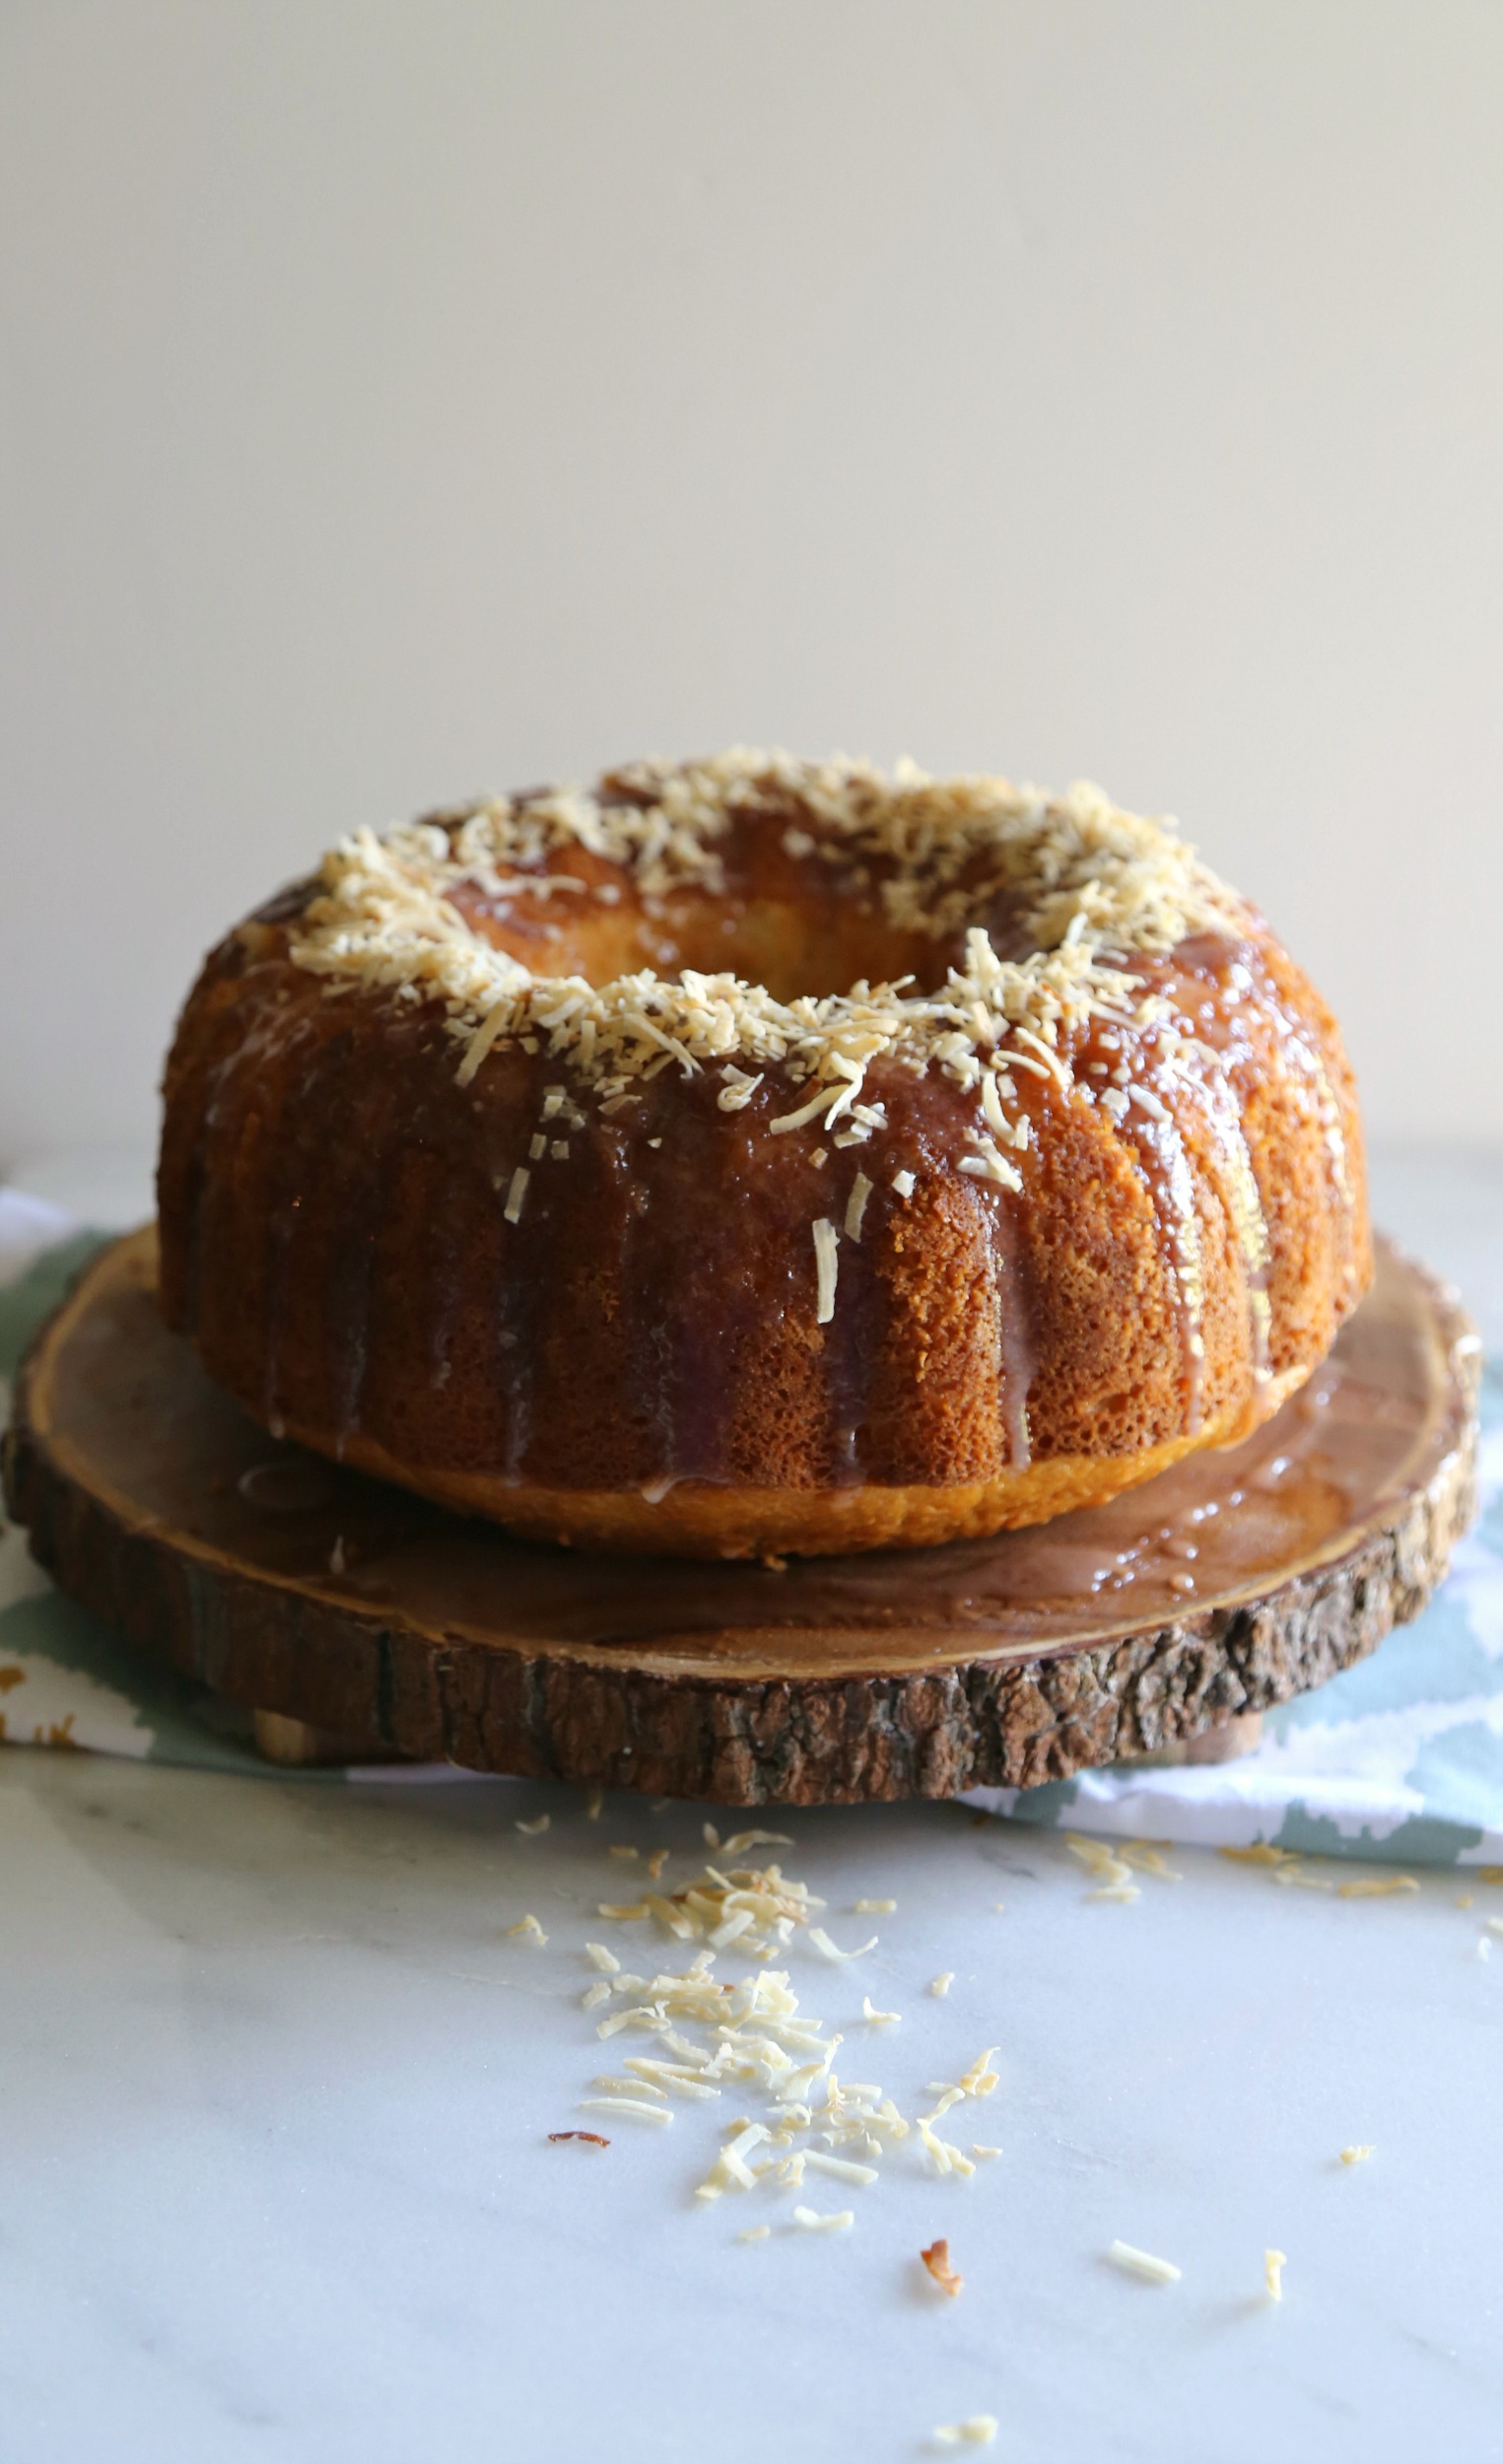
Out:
{"x": 873, "y": 1907}
{"x": 977, "y": 2430}
{"x": 528, "y": 1926}
{"x": 1273, "y": 2264}
{"x": 1134, "y": 2262}
{"x": 627, "y": 1855}
{"x": 1112, "y": 1875}
{"x": 710, "y": 1835}
{"x": 842, "y": 2169}
{"x": 755, "y": 2233}
{"x": 828, "y": 1951}
{"x": 878, "y": 2019}
{"x": 936, "y": 2258}
{"x": 981, "y": 2079}
{"x": 593, "y": 1804}
{"x": 637, "y": 2106}
{"x": 1374, "y": 1886}
{"x": 1147, "y": 1856}
{"x": 943, "y": 2155}
{"x": 940, "y": 1985}
{"x": 707, "y": 2034}
{"x": 1358, "y": 2154}
{"x": 763, "y": 1909}
{"x": 536, "y": 1827}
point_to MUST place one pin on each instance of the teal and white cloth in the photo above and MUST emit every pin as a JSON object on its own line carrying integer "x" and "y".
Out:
{"x": 1400, "y": 1759}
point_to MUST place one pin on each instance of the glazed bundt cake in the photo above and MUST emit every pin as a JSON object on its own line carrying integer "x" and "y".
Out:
{"x": 751, "y": 1155}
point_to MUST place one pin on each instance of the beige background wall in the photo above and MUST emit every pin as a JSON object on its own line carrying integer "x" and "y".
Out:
{"x": 405, "y": 399}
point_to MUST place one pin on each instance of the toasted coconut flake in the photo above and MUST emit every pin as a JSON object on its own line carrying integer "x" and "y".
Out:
{"x": 936, "y": 2258}
{"x": 590, "y": 2138}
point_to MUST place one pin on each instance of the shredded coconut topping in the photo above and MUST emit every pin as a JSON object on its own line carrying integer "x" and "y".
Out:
{"x": 1088, "y": 883}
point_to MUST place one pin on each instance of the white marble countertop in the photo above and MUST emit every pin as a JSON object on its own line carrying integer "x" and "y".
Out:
{"x": 277, "y": 2090}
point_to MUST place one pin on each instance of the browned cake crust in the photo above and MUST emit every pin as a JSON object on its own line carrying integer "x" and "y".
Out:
{"x": 627, "y": 1274}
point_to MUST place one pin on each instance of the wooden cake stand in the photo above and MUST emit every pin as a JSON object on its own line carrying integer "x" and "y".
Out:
{"x": 360, "y": 1622}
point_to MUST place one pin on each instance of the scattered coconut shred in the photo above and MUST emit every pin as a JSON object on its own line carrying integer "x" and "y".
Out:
{"x": 708, "y": 2033}
{"x": 1134, "y": 2262}
{"x": 1092, "y": 884}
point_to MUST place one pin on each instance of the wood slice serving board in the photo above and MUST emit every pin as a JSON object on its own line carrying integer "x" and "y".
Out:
{"x": 320, "y": 1597}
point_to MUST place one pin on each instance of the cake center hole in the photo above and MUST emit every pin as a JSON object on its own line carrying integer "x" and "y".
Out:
{"x": 809, "y": 946}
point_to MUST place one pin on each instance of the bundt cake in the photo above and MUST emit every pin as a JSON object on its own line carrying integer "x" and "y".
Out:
{"x": 751, "y": 1155}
